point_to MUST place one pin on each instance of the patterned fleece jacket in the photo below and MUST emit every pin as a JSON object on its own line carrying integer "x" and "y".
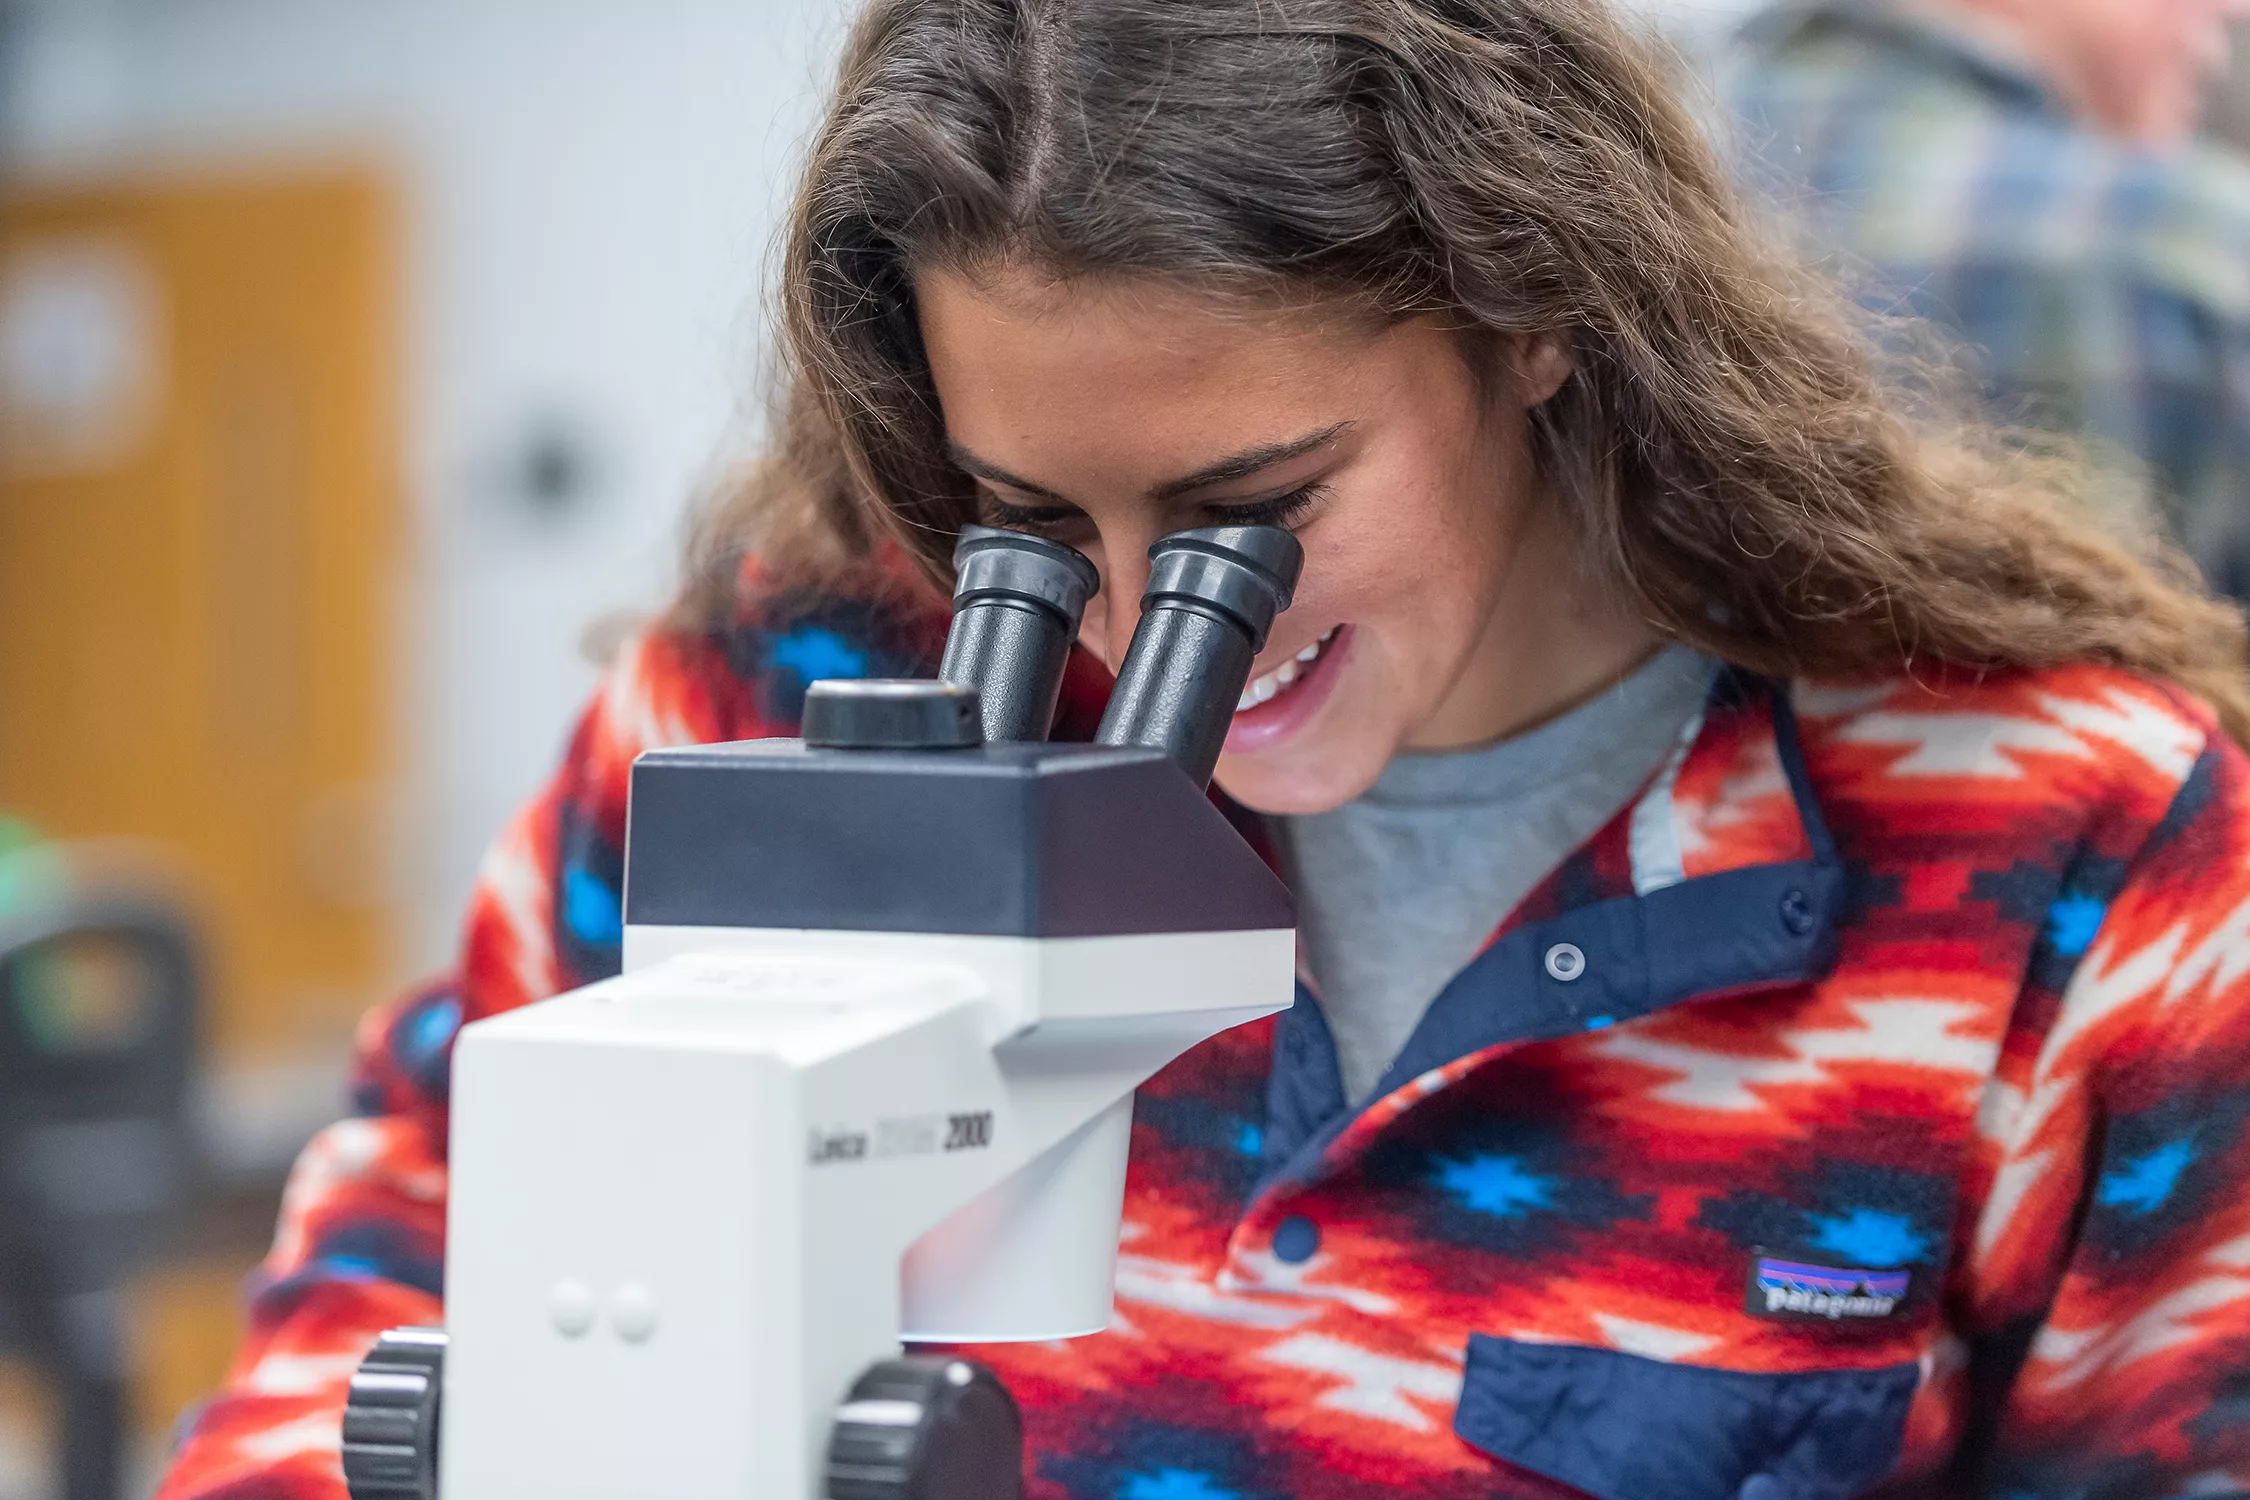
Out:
{"x": 1888, "y": 1135}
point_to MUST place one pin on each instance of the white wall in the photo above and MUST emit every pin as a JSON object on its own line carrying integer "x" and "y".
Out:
{"x": 591, "y": 187}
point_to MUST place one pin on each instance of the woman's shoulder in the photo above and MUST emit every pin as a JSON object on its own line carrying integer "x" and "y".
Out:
{"x": 2103, "y": 740}
{"x": 740, "y": 671}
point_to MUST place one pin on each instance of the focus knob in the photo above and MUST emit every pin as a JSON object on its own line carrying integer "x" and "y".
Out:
{"x": 391, "y": 1420}
{"x": 889, "y": 713}
{"x": 924, "y": 1428}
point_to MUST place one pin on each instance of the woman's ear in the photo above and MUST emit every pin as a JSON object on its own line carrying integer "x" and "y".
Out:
{"x": 1543, "y": 363}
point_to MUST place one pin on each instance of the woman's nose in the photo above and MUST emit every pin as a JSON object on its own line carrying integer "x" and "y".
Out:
{"x": 1124, "y": 569}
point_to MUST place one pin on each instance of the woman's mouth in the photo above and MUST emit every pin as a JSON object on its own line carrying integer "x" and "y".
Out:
{"x": 1277, "y": 703}
{"x": 1282, "y": 678}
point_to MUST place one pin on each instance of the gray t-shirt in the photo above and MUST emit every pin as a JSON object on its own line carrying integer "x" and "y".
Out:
{"x": 1398, "y": 890}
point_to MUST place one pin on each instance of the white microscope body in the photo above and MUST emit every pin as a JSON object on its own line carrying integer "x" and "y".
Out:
{"x": 866, "y": 1077}
{"x": 691, "y": 1203}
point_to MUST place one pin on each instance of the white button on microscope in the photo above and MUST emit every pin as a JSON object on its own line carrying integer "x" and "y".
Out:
{"x": 571, "y": 1306}
{"x": 632, "y": 1312}
{"x": 1566, "y": 961}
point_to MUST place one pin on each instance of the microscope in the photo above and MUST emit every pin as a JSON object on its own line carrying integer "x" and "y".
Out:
{"x": 866, "y": 1079}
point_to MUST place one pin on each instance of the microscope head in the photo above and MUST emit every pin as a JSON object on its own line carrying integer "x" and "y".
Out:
{"x": 936, "y": 807}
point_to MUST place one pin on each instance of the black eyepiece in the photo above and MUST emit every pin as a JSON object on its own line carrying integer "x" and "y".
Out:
{"x": 1249, "y": 572}
{"x": 1212, "y": 597}
{"x": 1017, "y": 600}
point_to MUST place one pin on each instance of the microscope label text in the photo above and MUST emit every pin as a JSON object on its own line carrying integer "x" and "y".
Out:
{"x": 968, "y": 1132}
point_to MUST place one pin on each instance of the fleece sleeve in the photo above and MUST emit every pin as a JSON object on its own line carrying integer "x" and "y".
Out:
{"x": 2123, "y": 1185}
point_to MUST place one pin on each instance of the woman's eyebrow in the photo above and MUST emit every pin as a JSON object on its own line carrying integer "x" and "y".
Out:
{"x": 1234, "y": 466}
{"x": 1250, "y": 460}
{"x": 968, "y": 462}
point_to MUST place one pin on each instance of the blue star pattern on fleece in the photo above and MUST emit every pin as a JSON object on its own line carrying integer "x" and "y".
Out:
{"x": 1496, "y": 1185}
{"x": 1172, "y": 1484}
{"x": 2141, "y": 1185}
{"x": 362, "y": 1251}
{"x": 433, "y": 1025}
{"x": 1147, "y": 1460}
{"x": 2072, "y": 922}
{"x": 420, "y": 1043}
{"x": 1866, "y": 1237}
{"x": 591, "y": 908}
{"x": 814, "y": 653}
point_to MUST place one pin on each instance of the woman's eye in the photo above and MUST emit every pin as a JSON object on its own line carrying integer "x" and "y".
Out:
{"x": 1038, "y": 518}
{"x": 1284, "y": 511}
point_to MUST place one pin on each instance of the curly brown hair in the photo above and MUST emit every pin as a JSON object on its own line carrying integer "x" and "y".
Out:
{"x": 1730, "y": 451}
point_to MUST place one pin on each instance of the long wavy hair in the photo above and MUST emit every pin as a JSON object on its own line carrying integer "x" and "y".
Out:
{"x": 1728, "y": 452}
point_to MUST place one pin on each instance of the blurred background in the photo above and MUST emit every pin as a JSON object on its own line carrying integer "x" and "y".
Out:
{"x": 356, "y": 363}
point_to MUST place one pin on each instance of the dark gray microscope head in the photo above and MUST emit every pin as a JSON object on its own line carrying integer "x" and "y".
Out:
{"x": 937, "y": 806}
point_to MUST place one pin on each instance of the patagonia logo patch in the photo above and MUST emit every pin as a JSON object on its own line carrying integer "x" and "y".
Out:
{"x": 1797, "y": 1289}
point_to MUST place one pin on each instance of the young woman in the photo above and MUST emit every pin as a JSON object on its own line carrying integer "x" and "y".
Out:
{"x": 1775, "y": 884}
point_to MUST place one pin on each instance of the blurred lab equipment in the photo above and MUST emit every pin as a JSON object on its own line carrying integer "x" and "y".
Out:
{"x": 100, "y": 987}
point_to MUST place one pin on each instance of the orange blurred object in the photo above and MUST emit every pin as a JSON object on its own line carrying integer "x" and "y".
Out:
{"x": 197, "y": 542}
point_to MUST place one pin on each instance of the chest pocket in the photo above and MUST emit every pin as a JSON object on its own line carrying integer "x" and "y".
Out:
{"x": 1621, "y": 1427}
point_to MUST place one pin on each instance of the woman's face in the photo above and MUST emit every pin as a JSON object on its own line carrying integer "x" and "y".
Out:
{"x": 1438, "y": 606}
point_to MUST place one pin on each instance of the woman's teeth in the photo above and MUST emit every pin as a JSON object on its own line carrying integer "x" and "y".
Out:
{"x": 1264, "y": 689}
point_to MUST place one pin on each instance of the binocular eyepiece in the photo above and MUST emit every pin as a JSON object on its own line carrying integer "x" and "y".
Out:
{"x": 1017, "y": 601}
{"x": 1211, "y": 598}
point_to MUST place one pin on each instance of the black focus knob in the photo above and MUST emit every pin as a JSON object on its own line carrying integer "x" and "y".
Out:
{"x": 924, "y": 1428}
{"x": 391, "y": 1418}
{"x": 891, "y": 713}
